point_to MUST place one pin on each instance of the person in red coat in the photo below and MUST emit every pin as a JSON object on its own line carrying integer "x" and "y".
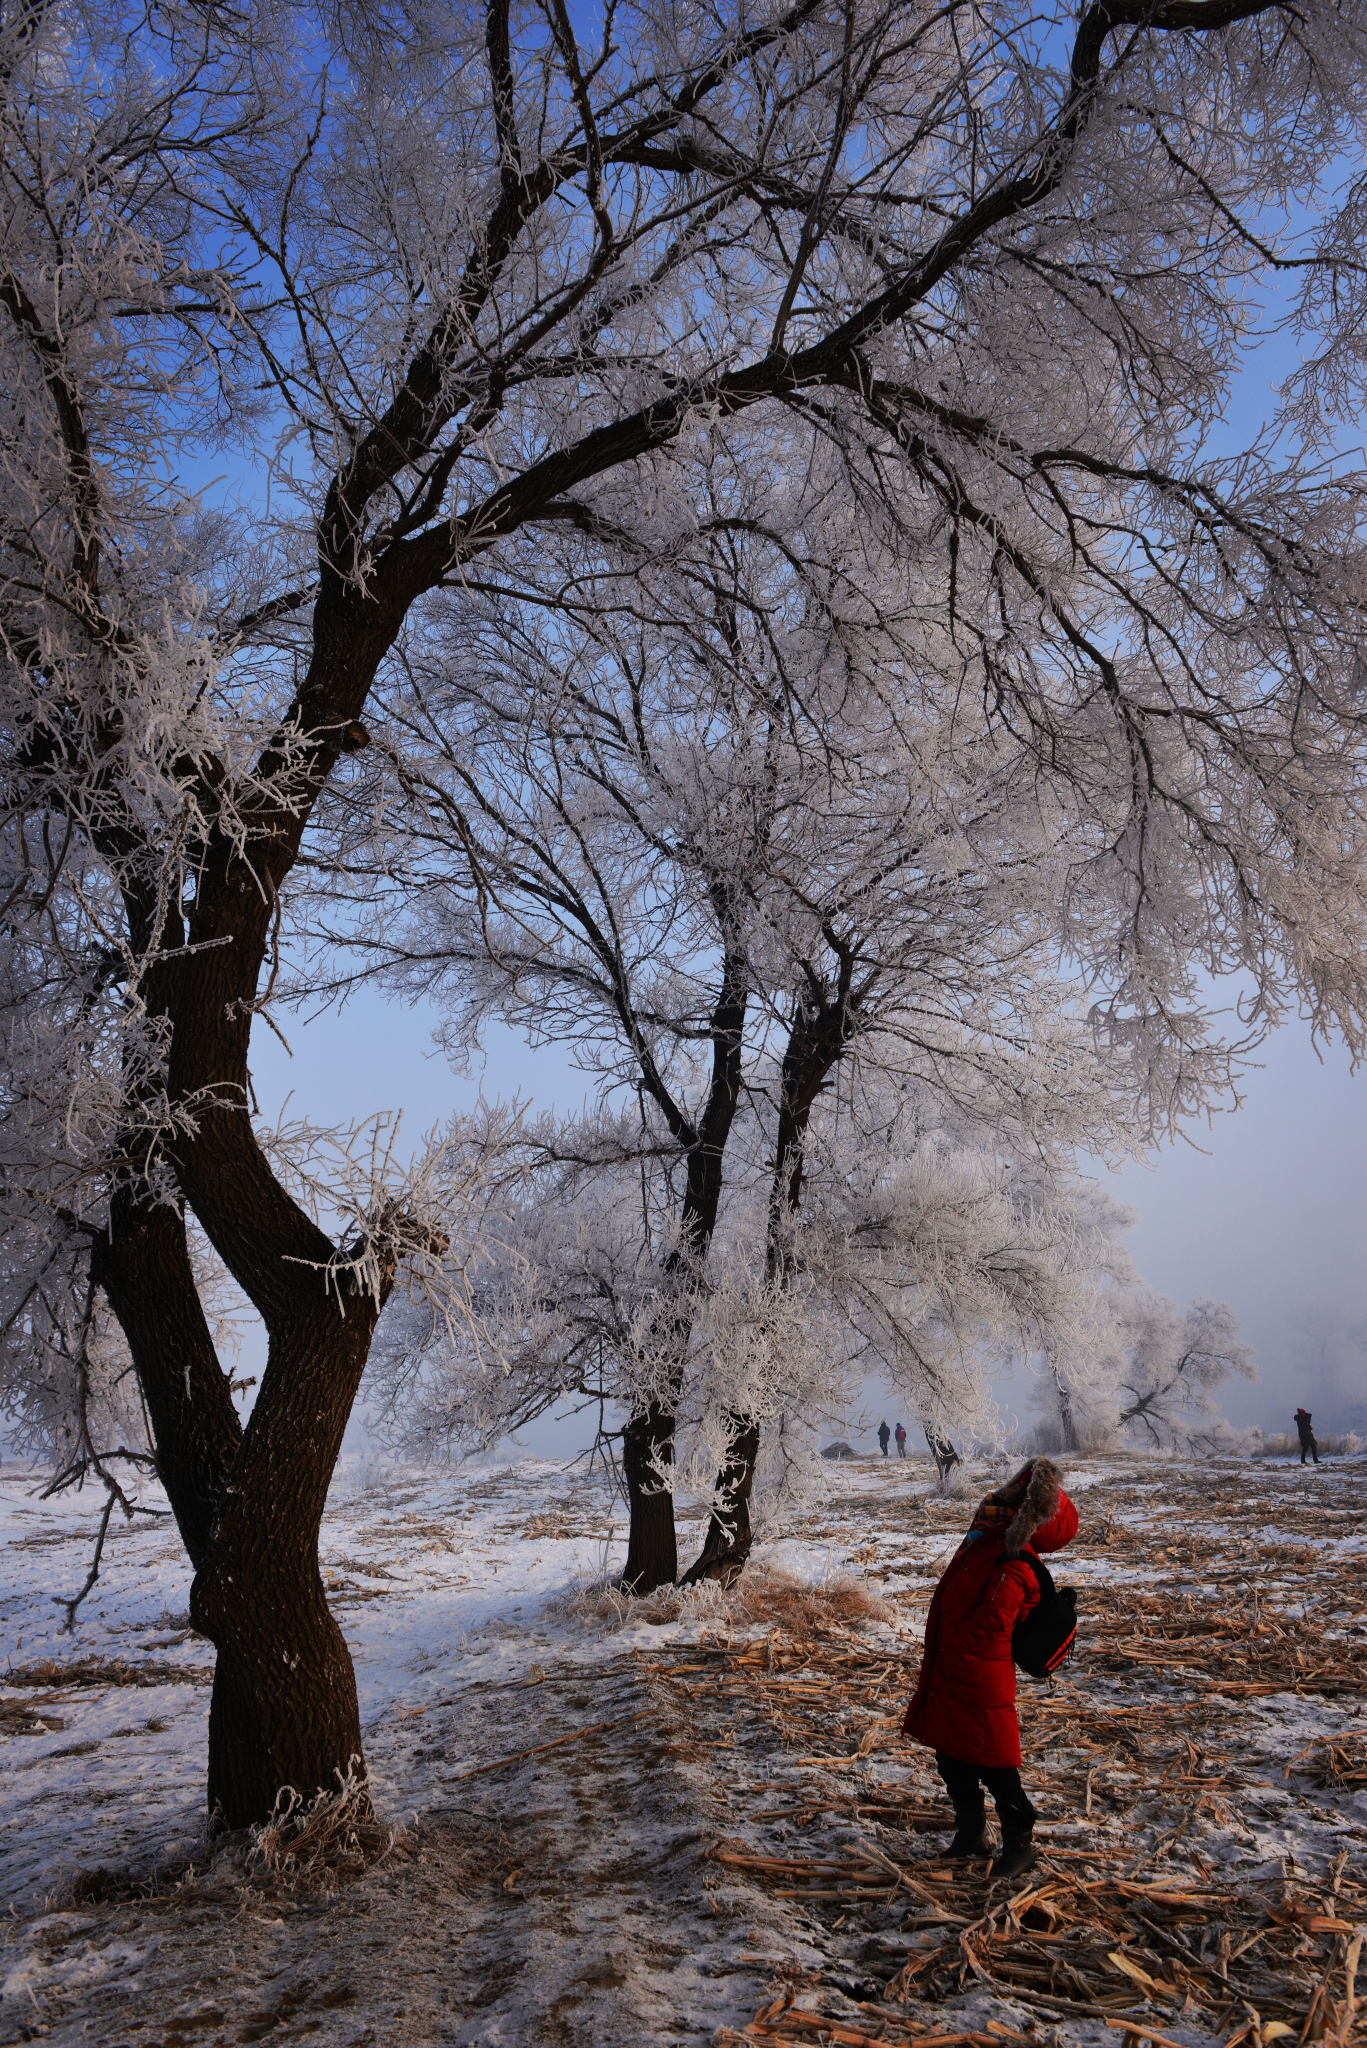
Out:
{"x": 965, "y": 1704}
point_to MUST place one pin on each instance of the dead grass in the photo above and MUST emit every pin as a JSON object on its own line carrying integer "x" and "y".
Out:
{"x": 802, "y": 1608}
{"x": 1143, "y": 1750}
{"x": 314, "y": 1843}
{"x": 114, "y": 1885}
{"x": 1330, "y": 1445}
{"x": 762, "y": 1598}
{"x": 29, "y": 1717}
{"x": 56, "y": 1674}
{"x": 306, "y": 1850}
{"x": 1065, "y": 1946}
{"x": 307, "y": 1846}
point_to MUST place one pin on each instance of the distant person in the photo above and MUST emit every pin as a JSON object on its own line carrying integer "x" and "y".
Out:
{"x": 884, "y": 1433}
{"x": 1306, "y": 1435}
{"x": 901, "y": 1437}
{"x": 965, "y": 1704}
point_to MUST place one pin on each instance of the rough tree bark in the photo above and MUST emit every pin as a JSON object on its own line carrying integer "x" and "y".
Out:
{"x": 284, "y": 1708}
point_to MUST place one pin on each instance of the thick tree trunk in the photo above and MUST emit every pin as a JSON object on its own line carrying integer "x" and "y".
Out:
{"x": 284, "y": 1708}
{"x": 652, "y": 1550}
{"x": 729, "y": 1536}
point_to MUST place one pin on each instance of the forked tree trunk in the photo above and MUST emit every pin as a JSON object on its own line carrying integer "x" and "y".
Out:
{"x": 249, "y": 1507}
{"x": 819, "y": 1035}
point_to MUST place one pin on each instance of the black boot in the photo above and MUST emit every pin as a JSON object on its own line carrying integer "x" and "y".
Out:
{"x": 1017, "y": 1854}
{"x": 1018, "y": 1824}
{"x": 971, "y": 1838}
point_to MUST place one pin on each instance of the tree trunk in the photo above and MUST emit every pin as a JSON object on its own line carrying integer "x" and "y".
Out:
{"x": 942, "y": 1450}
{"x": 652, "y": 1550}
{"x": 729, "y": 1536}
{"x": 284, "y": 1708}
{"x": 648, "y": 1438}
{"x": 249, "y": 1507}
{"x": 1067, "y": 1422}
{"x": 143, "y": 1265}
{"x": 819, "y": 1036}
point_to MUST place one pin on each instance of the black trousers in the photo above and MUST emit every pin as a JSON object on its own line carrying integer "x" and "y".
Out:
{"x": 1003, "y": 1781}
{"x": 1308, "y": 1444}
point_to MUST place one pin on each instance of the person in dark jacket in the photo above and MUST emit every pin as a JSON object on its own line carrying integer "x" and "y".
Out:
{"x": 901, "y": 1437}
{"x": 883, "y": 1434}
{"x": 965, "y": 1703}
{"x": 1306, "y": 1435}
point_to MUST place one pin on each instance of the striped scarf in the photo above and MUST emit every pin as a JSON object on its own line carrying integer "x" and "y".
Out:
{"x": 994, "y": 1513}
{"x": 999, "y": 1510}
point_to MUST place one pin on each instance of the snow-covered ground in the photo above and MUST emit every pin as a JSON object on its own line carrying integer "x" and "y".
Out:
{"x": 441, "y": 1582}
{"x": 594, "y": 1805}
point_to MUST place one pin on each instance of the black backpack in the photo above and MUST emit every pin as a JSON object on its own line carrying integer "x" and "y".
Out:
{"x": 1044, "y": 1637}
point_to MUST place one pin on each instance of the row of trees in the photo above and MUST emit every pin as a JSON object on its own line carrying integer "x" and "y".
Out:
{"x": 700, "y": 531}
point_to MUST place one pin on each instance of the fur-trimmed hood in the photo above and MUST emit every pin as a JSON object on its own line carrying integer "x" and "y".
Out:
{"x": 1025, "y": 1504}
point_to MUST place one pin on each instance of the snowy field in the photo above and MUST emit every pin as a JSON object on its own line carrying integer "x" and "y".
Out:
{"x": 700, "y": 1822}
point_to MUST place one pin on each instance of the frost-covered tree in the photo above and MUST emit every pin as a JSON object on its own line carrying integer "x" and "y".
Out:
{"x": 73, "y": 1401}
{"x": 917, "y": 1252}
{"x": 308, "y": 314}
{"x": 1149, "y": 1375}
{"x": 699, "y": 817}
{"x": 1171, "y": 1365}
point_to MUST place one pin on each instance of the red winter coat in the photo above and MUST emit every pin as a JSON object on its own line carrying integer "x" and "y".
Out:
{"x": 965, "y": 1704}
